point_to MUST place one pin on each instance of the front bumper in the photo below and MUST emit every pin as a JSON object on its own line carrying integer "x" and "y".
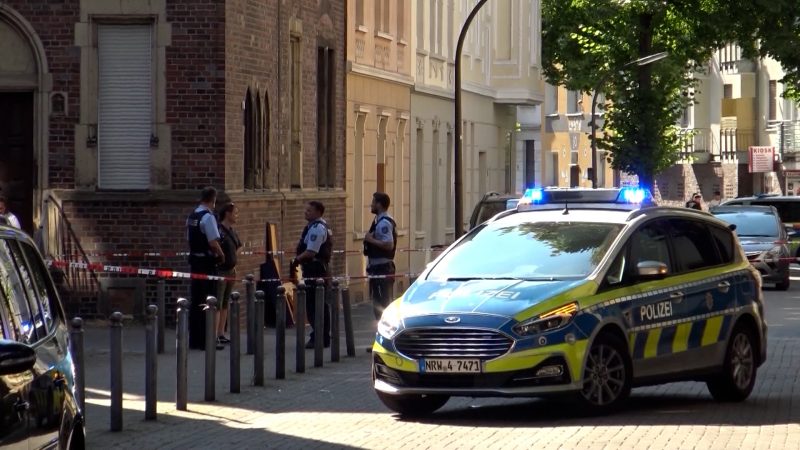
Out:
{"x": 513, "y": 374}
{"x": 772, "y": 271}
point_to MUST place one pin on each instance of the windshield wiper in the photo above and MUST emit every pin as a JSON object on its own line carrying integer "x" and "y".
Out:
{"x": 503, "y": 278}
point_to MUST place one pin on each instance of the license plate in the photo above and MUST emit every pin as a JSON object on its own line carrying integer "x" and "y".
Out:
{"x": 450, "y": 365}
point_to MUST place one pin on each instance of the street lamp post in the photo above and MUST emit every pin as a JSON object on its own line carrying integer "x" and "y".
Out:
{"x": 649, "y": 59}
{"x": 458, "y": 190}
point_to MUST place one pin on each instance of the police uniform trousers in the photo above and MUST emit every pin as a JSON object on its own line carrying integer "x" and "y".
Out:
{"x": 311, "y": 304}
{"x": 200, "y": 290}
{"x": 381, "y": 290}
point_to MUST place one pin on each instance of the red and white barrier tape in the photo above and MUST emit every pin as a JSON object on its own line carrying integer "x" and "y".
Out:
{"x": 168, "y": 273}
{"x": 173, "y": 254}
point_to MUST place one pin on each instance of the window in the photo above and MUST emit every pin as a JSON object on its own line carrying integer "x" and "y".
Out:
{"x": 619, "y": 274}
{"x": 326, "y": 162}
{"x": 724, "y": 240}
{"x": 693, "y": 244}
{"x": 13, "y": 294}
{"x": 420, "y": 178}
{"x": 420, "y": 24}
{"x": 727, "y": 91}
{"x": 551, "y": 99}
{"x": 650, "y": 244}
{"x": 360, "y": 12}
{"x": 773, "y": 100}
{"x": 124, "y": 106}
{"x": 358, "y": 175}
{"x": 38, "y": 321}
{"x": 401, "y": 19}
{"x": 380, "y": 168}
{"x": 248, "y": 120}
{"x": 382, "y": 13}
{"x": 574, "y": 102}
{"x": 296, "y": 160}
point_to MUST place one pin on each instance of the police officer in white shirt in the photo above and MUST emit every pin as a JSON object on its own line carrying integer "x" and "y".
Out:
{"x": 314, "y": 256}
{"x": 380, "y": 244}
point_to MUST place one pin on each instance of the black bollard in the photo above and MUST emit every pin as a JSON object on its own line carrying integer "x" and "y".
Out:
{"x": 250, "y": 298}
{"x": 76, "y": 348}
{"x": 319, "y": 322}
{"x": 348, "y": 323}
{"x": 151, "y": 363}
{"x": 162, "y": 309}
{"x": 280, "y": 334}
{"x": 233, "y": 323}
{"x": 333, "y": 297}
{"x": 182, "y": 350}
{"x": 258, "y": 360}
{"x": 211, "y": 348}
{"x": 300, "y": 327}
{"x": 116, "y": 371}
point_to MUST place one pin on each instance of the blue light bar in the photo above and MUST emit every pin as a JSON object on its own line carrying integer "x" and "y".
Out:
{"x": 632, "y": 195}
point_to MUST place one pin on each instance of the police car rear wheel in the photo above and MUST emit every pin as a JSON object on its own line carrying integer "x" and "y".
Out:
{"x": 607, "y": 377}
{"x": 413, "y": 405}
{"x": 738, "y": 375}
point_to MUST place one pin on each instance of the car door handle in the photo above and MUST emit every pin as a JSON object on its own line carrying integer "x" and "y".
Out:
{"x": 678, "y": 294}
{"x": 724, "y": 286}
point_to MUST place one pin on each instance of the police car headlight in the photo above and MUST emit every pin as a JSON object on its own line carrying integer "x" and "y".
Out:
{"x": 390, "y": 322}
{"x": 548, "y": 321}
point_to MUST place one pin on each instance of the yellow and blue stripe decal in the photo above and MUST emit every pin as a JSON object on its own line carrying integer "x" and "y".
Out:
{"x": 650, "y": 342}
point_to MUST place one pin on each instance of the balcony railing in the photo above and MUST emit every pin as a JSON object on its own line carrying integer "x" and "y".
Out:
{"x": 789, "y": 137}
{"x": 704, "y": 145}
{"x": 733, "y": 140}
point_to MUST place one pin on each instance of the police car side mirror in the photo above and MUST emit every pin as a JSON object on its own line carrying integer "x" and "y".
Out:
{"x": 652, "y": 270}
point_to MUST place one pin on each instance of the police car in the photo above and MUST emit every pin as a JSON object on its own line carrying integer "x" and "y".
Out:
{"x": 587, "y": 292}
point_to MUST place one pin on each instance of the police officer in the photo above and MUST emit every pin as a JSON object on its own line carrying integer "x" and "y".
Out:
{"x": 380, "y": 244}
{"x": 314, "y": 256}
{"x": 204, "y": 255}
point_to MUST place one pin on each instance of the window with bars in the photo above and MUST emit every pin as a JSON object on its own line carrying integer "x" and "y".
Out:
{"x": 773, "y": 100}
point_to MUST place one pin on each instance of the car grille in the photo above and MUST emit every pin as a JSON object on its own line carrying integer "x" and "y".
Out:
{"x": 419, "y": 343}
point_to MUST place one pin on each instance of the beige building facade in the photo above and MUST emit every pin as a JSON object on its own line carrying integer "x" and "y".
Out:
{"x": 502, "y": 93}
{"x": 378, "y": 116}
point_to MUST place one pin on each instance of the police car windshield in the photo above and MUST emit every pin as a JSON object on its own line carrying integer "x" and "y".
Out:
{"x": 516, "y": 248}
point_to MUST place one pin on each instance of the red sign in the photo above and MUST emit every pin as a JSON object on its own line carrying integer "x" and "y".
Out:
{"x": 761, "y": 159}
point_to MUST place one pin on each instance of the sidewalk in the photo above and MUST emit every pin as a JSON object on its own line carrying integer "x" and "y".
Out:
{"x": 303, "y": 385}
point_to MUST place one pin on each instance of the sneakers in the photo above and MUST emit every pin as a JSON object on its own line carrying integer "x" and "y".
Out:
{"x": 221, "y": 340}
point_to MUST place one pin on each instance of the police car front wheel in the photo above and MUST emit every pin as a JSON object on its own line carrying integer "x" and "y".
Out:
{"x": 412, "y": 405}
{"x": 738, "y": 375}
{"x": 607, "y": 376}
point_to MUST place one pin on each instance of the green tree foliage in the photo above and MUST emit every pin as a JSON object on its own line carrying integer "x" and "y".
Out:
{"x": 589, "y": 42}
{"x": 771, "y": 28}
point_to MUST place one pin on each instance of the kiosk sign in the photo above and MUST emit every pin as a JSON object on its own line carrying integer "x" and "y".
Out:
{"x": 761, "y": 159}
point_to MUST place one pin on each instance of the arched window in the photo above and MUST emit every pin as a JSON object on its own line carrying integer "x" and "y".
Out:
{"x": 258, "y": 144}
{"x": 249, "y": 125}
{"x": 265, "y": 135}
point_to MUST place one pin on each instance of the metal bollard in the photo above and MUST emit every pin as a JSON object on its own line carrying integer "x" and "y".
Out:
{"x": 162, "y": 309}
{"x": 250, "y": 298}
{"x": 182, "y": 350}
{"x": 319, "y": 322}
{"x": 300, "y": 328}
{"x": 233, "y": 321}
{"x": 211, "y": 348}
{"x": 280, "y": 334}
{"x": 258, "y": 360}
{"x": 116, "y": 371}
{"x": 76, "y": 348}
{"x": 333, "y": 297}
{"x": 348, "y": 323}
{"x": 151, "y": 363}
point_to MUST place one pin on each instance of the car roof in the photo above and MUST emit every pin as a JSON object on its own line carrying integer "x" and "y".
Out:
{"x": 744, "y": 208}
{"x": 601, "y": 214}
{"x": 765, "y": 198}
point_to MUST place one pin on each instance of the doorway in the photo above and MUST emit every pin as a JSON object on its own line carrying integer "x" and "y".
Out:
{"x": 17, "y": 169}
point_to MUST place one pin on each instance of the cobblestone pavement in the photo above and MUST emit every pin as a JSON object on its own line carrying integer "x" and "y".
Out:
{"x": 335, "y": 407}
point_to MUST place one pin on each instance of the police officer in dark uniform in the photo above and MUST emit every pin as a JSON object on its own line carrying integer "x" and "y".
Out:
{"x": 380, "y": 244}
{"x": 314, "y": 257}
{"x": 204, "y": 255}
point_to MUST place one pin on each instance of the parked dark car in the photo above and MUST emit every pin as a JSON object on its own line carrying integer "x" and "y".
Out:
{"x": 491, "y": 204}
{"x": 38, "y": 408}
{"x": 788, "y": 207}
{"x": 763, "y": 238}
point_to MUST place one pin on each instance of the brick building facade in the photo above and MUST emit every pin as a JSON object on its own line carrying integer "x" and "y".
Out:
{"x": 243, "y": 96}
